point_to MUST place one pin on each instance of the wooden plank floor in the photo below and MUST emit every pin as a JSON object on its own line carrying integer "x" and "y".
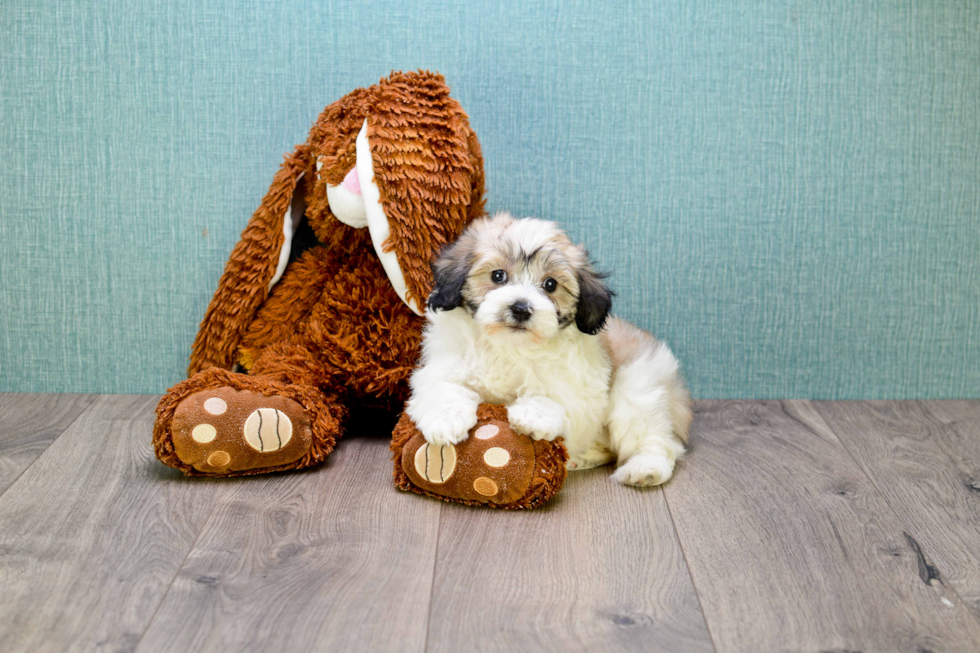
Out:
{"x": 790, "y": 526}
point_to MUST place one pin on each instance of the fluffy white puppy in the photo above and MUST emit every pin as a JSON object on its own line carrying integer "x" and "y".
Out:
{"x": 518, "y": 316}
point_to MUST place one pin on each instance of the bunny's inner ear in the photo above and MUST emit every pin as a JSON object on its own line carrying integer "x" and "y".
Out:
{"x": 377, "y": 221}
{"x": 290, "y": 225}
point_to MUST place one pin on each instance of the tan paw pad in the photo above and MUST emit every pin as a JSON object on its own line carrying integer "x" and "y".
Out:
{"x": 268, "y": 429}
{"x": 435, "y": 464}
{"x": 485, "y": 486}
{"x": 486, "y": 432}
{"x": 496, "y": 457}
{"x": 204, "y": 433}
{"x": 219, "y": 459}
{"x": 215, "y": 405}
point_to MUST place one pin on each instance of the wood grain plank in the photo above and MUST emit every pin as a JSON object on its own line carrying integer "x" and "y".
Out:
{"x": 925, "y": 459}
{"x": 791, "y": 546}
{"x": 598, "y": 569}
{"x": 29, "y": 423}
{"x": 333, "y": 559}
{"x": 94, "y": 532}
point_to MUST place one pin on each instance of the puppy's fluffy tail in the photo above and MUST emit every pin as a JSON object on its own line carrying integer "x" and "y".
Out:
{"x": 650, "y": 407}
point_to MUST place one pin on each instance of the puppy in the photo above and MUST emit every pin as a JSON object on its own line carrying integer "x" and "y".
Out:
{"x": 518, "y": 316}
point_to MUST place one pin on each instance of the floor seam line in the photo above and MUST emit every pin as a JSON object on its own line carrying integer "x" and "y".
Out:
{"x": 190, "y": 550}
{"x": 432, "y": 585}
{"x": 50, "y": 444}
{"x": 170, "y": 585}
{"x": 690, "y": 574}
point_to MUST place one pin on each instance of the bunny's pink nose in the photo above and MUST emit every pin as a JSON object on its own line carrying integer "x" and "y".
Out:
{"x": 351, "y": 183}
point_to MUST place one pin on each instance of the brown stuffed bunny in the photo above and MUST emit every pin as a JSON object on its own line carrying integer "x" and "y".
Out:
{"x": 389, "y": 175}
{"x": 339, "y": 323}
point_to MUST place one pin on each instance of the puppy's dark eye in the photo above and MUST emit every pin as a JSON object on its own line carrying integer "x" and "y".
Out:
{"x": 498, "y": 276}
{"x": 550, "y": 285}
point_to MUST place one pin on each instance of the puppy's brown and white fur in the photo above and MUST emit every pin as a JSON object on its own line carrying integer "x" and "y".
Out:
{"x": 518, "y": 317}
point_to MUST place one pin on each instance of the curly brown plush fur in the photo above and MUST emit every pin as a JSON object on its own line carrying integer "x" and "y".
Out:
{"x": 332, "y": 332}
{"x": 428, "y": 167}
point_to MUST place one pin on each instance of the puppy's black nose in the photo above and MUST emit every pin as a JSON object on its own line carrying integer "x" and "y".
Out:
{"x": 521, "y": 311}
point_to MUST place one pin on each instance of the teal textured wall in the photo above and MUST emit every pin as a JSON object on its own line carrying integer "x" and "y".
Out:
{"x": 788, "y": 193}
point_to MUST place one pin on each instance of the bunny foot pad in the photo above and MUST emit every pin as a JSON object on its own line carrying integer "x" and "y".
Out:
{"x": 224, "y": 431}
{"x": 494, "y": 466}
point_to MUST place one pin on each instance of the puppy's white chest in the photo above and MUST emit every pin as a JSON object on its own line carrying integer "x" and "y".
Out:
{"x": 574, "y": 373}
{"x": 502, "y": 378}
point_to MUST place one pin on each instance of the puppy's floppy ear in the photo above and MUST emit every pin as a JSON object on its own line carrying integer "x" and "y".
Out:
{"x": 255, "y": 264}
{"x": 449, "y": 274}
{"x": 594, "y": 300}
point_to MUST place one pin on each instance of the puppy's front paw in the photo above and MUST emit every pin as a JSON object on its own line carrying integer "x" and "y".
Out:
{"x": 645, "y": 470}
{"x": 538, "y": 417}
{"x": 444, "y": 413}
{"x": 450, "y": 425}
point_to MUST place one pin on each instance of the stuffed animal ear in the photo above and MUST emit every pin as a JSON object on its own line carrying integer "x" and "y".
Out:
{"x": 594, "y": 300}
{"x": 377, "y": 220}
{"x": 290, "y": 226}
{"x": 425, "y": 177}
{"x": 256, "y": 263}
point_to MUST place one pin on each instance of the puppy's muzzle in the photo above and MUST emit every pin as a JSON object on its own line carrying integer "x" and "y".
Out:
{"x": 521, "y": 312}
